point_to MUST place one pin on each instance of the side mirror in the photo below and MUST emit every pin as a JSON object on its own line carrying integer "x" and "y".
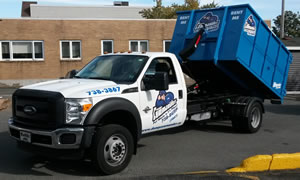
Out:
{"x": 159, "y": 81}
{"x": 71, "y": 74}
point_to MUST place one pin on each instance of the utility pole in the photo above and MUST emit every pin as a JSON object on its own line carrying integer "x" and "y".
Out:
{"x": 282, "y": 20}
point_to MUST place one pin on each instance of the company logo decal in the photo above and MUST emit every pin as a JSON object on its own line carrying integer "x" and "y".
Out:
{"x": 277, "y": 85}
{"x": 30, "y": 110}
{"x": 165, "y": 107}
{"x": 211, "y": 22}
{"x": 250, "y": 26}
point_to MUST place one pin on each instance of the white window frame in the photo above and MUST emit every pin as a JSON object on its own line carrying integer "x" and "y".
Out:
{"x": 164, "y": 44}
{"x": 293, "y": 48}
{"x": 139, "y": 44}
{"x": 112, "y": 43}
{"x": 11, "y": 51}
{"x": 71, "y": 52}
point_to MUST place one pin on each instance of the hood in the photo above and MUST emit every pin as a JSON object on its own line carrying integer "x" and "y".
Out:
{"x": 79, "y": 88}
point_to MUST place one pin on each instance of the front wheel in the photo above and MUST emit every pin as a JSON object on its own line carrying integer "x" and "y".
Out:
{"x": 112, "y": 149}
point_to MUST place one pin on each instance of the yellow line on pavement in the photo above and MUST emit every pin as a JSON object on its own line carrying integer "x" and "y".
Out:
{"x": 249, "y": 177}
{"x": 201, "y": 172}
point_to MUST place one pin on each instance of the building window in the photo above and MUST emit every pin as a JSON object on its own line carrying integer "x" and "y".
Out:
{"x": 70, "y": 50}
{"x": 22, "y": 50}
{"x": 139, "y": 46}
{"x": 166, "y": 45}
{"x": 107, "y": 46}
{"x": 5, "y": 50}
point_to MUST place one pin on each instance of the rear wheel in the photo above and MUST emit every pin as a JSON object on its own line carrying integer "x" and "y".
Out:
{"x": 112, "y": 149}
{"x": 254, "y": 119}
{"x": 250, "y": 123}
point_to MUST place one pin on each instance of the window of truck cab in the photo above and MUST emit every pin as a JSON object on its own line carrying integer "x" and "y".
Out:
{"x": 122, "y": 69}
{"x": 162, "y": 64}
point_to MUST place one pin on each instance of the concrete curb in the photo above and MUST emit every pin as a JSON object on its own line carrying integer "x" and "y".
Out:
{"x": 268, "y": 163}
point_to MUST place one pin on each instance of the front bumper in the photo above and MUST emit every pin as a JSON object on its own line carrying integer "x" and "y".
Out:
{"x": 51, "y": 139}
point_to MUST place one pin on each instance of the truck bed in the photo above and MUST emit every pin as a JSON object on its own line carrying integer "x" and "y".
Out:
{"x": 238, "y": 43}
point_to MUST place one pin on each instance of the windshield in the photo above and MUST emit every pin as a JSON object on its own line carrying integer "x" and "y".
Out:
{"x": 117, "y": 68}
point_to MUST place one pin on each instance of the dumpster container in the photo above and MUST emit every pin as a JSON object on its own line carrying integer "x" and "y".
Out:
{"x": 239, "y": 44}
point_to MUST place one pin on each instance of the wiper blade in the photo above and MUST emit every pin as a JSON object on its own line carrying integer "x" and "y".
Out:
{"x": 77, "y": 77}
{"x": 98, "y": 78}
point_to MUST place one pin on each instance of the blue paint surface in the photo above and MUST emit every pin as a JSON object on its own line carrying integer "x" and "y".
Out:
{"x": 236, "y": 34}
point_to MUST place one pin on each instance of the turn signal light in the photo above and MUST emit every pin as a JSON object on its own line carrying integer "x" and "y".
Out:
{"x": 86, "y": 107}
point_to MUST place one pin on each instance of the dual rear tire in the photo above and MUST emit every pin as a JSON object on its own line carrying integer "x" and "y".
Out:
{"x": 251, "y": 121}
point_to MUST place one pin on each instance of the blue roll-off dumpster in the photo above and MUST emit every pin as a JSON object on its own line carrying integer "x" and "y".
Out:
{"x": 238, "y": 43}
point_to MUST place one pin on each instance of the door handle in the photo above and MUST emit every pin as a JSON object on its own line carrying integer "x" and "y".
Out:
{"x": 180, "y": 94}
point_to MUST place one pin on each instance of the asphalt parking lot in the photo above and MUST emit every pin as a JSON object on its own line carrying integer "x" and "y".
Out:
{"x": 192, "y": 147}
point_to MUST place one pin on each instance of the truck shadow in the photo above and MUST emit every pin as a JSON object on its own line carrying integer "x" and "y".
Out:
{"x": 209, "y": 127}
{"x": 289, "y": 109}
{"x": 16, "y": 162}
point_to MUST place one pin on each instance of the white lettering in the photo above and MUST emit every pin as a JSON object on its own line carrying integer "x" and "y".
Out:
{"x": 235, "y": 17}
{"x": 184, "y": 17}
{"x": 165, "y": 112}
{"x": 277, "y": 85}
{"x": 236, "y": 12}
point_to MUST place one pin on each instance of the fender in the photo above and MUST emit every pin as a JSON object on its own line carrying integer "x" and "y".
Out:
{"x": 113, "y": 104}
{"x": 250, "y": 102}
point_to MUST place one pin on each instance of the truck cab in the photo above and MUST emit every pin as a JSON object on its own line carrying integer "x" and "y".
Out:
{"x": 104, "y": 108}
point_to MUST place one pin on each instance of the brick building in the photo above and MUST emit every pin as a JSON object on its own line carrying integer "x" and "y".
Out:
{"x": 38, "y": 49}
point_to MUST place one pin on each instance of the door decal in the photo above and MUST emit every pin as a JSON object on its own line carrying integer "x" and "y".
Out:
{"x": 165, "y": 108}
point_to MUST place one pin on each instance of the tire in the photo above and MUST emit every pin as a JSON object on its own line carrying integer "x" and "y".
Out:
{"x": 252, "y": 122}
{"x": 237, "y": 121}
{"x": 112, "y": 149}
{"x": 236, "y": 124}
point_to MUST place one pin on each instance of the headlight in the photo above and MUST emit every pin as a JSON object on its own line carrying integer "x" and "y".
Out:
{"x": 77, "y": 109}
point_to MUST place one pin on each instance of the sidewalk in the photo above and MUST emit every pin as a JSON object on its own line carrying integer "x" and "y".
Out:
{"x": 6, "y": 92}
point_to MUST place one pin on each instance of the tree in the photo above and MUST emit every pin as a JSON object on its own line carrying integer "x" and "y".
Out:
{"x": 169, "y": 12}
{"x": 291, "y": 24}
{"x": 210, "y": 5}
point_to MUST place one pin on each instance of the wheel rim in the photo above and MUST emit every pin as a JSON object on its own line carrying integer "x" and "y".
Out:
{"x": 115, "y": 150}
{"x": 255, "y": 117}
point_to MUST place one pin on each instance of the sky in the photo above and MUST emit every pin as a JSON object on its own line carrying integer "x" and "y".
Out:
{"x": 267, "y": 9}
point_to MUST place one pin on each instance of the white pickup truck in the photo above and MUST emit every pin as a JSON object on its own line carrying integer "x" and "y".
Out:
{"x": 105, "y": 108}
